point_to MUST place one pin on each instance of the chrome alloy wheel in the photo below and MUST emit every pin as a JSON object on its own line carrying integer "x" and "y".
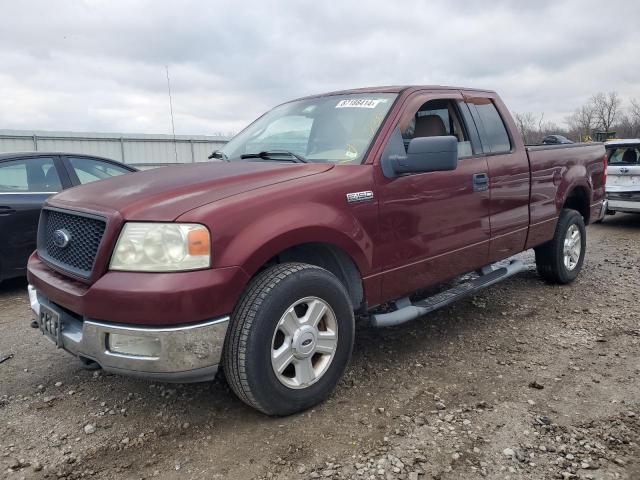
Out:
{"x": 572, "y": 247}
{"x": 304, "y": 342}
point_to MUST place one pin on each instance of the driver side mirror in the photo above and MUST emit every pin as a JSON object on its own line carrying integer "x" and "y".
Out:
{"x": 424, "y": 154}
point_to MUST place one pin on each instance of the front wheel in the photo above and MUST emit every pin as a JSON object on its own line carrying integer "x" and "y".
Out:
{"x": 560, "y": 259}
{"x": 290, "y": 339}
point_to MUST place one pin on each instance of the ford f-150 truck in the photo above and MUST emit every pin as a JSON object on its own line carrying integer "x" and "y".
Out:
{"x": 325, "y": 208}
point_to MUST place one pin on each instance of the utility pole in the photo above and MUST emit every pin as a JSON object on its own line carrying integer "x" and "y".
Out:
{"x": 173, "y": 127}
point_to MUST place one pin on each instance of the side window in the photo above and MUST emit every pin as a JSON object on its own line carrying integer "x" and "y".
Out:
{"x": 493, "y": 132}
{"x": 29, "y": 175}
{"x": 90, "y": 170}
{"x": 437, "y": 118}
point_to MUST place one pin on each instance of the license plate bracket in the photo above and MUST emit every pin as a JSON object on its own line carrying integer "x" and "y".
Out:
{"x": 50, "y": 324}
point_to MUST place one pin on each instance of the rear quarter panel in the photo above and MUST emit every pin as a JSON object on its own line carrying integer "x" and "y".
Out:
{"x": 555, "y": 172}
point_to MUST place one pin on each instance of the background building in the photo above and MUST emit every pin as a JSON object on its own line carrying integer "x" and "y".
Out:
{"x": 140, "y": 150}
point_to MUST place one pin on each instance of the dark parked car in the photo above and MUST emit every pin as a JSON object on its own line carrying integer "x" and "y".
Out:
{"x": 26, "y": 180}
{"x": 555, "y": 140}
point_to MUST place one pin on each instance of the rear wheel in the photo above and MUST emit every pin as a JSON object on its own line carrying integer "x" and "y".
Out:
{"x": 560, "y": 260}
{"x": 290, "y": 339}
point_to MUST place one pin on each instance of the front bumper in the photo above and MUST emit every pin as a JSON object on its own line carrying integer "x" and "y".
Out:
{"x": 188, "y": 353}
{"x": 136, "y": 298}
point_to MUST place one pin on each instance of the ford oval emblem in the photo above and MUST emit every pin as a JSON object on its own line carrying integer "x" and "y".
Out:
{"x": 61, "y": 238}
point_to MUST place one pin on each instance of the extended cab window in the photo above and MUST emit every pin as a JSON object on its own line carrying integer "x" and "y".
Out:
{"x": 437, "y": 118}
{"x": 493, "y": 132}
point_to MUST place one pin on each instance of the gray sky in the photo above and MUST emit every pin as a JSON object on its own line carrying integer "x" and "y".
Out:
{"x": 98, "y": 65}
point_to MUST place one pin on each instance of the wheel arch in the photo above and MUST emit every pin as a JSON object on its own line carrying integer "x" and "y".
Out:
{"x": 578, "y": 198}
{"x": 327, "y": 256}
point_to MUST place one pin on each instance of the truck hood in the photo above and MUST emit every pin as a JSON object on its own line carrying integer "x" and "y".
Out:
{"x": 165, "y": 193}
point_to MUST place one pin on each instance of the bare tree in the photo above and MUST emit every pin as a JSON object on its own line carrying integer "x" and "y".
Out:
{"x": 629, "y": 123}
{"x": 634, "y": 111}
{"x": 526, "y": 123}
{"x": 533, "y": 128}
{"x": 549, "y": 128}
{"x": 606, "y": 109}
{"x": 582, "y": 121}
{"x": 541, "y": 122}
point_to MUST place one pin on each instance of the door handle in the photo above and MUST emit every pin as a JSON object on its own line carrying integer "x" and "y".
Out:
{"x": 480, "y": 182}
{"x": 4, "y": 211}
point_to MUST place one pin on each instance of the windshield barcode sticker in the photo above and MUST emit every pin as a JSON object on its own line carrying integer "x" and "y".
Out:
{"x": 358, "y": 103}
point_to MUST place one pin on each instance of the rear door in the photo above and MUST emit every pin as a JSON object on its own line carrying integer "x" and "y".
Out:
{"x": 25, "y": 183}
{"x": 509, "y": 174}
{"x": 623, "y": 173}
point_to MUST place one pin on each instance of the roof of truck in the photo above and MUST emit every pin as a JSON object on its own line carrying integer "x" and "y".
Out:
{"x": 397, "y": 89}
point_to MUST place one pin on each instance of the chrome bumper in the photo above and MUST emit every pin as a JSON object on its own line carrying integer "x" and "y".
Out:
{"x": 186, "y": 354}
{"x": 603, "y": 209}
{"x": 624, "y": 206}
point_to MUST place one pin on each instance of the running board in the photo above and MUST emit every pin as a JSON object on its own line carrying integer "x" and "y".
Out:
{"x": 409, "y": 311}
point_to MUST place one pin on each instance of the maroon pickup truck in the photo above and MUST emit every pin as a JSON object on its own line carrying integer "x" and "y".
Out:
{"x": 325, "y": 208}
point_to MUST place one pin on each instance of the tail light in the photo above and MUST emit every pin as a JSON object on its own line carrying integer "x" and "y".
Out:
{"x": 606, "y": 164}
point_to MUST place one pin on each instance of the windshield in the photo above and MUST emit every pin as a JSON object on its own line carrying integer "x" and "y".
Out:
{"x": 336, "y": 129}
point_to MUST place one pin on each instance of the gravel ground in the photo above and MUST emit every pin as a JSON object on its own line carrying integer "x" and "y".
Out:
{"x": 523, "y": 381}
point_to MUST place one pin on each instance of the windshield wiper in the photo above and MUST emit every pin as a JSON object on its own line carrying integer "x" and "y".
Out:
{"x": 269, "y": 154}
{"x": 218, "y": 154}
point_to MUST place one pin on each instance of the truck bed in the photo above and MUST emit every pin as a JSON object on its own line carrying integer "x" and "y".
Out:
{"x": 556, "y": 170}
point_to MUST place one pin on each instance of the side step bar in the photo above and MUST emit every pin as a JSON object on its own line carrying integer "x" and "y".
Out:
{"x": 409, "y": 311}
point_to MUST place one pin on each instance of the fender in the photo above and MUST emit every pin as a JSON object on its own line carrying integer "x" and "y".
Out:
{"x": 258, "y": 242}
{"x": 571, "y": 178}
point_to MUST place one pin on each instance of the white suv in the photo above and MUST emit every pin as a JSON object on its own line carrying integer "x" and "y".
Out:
{"x": 623, "y": 176}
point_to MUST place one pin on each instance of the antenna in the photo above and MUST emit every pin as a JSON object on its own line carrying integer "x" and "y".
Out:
{"x": 173, "y": 127}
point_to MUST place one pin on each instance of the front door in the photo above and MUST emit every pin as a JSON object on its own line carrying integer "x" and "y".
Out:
{"x": 434, "y": 226}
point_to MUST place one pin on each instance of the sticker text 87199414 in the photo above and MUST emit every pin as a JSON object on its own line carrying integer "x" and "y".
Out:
{"x": 359, "y": 103}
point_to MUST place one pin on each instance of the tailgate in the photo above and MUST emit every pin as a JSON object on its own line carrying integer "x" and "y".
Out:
{"x": 624, "y": 169}
{"x": 623, "y": 179}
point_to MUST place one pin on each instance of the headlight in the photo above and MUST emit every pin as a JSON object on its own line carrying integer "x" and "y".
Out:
{"x": 162, "y": 247}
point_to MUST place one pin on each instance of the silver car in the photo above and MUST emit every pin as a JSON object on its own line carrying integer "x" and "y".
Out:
{"x": 623, "y": 176}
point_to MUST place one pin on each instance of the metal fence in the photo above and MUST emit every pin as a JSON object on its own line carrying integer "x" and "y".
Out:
{"x": 141, "y": 150}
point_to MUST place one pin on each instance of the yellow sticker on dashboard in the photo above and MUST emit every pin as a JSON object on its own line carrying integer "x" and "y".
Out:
{"x": 351, "y": 152}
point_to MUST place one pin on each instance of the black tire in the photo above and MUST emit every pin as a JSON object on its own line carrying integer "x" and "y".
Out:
{"x": 248, "y": 343}
{"x": 550, "y": 256}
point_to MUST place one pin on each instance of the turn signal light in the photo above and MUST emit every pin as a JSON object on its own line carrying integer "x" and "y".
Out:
{"x": 198, "y": 242}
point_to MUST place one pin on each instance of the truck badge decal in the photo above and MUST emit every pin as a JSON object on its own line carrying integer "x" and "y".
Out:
{"x": 359, "y": 196}
{"x": 61, "y": 238}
